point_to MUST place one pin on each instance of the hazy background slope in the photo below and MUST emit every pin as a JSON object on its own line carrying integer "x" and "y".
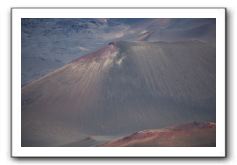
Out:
{"x": 122, "y": 88}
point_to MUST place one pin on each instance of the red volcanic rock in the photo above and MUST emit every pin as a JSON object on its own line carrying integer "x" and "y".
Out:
{"x": 188, "y": 135}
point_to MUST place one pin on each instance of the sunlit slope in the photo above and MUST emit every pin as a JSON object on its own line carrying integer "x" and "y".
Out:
{"x": 122, "y": 88}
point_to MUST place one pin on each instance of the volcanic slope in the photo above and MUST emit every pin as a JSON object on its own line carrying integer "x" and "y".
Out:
{"x": 188, "y": 135}
{"x": 122, "y": 88}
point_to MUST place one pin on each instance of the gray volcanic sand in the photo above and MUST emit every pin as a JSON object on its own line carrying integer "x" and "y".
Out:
{"x": 120, "y": 89}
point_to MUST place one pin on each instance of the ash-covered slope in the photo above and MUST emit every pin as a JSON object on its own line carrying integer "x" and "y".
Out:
{"x": 122, "y": 88}
{"x": 48, "y": 44}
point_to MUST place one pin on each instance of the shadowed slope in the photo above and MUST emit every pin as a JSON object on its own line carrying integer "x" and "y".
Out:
{"x": 122, "y": 88}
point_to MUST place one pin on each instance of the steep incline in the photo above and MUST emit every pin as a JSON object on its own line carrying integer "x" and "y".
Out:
{"x": 122, "y": 88}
